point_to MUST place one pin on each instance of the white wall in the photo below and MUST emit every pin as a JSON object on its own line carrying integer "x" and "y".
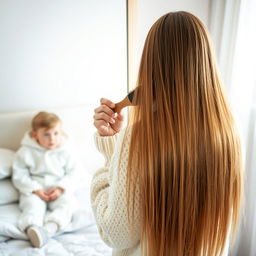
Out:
{"x": 61, "y": 53}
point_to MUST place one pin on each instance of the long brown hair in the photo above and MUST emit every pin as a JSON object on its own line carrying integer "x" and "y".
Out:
{"x": 185, "y": 151}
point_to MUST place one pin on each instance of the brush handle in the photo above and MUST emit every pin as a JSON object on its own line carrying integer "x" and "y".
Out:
{"x": 122, "y": 104}
{"x": 127, "y": 101}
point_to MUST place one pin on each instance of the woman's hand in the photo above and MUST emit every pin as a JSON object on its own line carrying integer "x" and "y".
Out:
{"x": 107, "y": 122}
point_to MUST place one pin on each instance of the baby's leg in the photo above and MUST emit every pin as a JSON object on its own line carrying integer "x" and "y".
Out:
{"x": 33, "y": 211}
{"x": 61, "y": 211}
{"x": 51, "y": 228}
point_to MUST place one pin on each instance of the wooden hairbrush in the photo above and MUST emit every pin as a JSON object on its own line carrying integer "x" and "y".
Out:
{"x": 127, "y": 101}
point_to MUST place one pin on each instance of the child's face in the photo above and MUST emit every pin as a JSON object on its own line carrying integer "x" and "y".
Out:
{"x": 48, "y": 138}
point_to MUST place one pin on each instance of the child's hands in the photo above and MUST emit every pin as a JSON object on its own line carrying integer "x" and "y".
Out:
{"x": 49, "y": 195}
{"x": 105, "y": 120}
{"x": 54, "y": 193}
{"x": 42, "y": 194}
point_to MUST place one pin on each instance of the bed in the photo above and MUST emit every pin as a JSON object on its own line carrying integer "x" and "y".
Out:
{"x": 81, "y": 236}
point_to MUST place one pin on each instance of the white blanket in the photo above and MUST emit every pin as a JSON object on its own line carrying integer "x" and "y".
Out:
{"x": 85, "y": 242}
{"x": 10, "y": 213}
{"x": 80, "y": 238}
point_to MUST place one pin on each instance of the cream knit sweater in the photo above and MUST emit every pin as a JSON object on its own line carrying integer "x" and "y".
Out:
{"x": 108, "y": 197}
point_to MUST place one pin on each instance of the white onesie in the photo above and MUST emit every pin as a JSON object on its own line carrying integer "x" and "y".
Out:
{"x": 36, "y": 167}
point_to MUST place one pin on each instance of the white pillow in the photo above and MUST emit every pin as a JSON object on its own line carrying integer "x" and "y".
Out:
{"x": 4, "y": 238}
{"x": 6, "y": 159}
{"x": 8, "y": 193}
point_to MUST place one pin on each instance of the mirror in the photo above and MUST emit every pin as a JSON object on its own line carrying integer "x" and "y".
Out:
{"x": 60, "y": 56}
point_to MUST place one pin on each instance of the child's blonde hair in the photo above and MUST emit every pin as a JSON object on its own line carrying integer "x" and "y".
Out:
{"x": 45, "y": 120}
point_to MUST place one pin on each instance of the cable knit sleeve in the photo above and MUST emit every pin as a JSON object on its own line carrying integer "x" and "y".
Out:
{"x": 105, "y": 145}
{"x": 108, "y": 194}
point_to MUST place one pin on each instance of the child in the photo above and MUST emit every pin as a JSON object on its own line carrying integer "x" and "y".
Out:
{"x": 42, "y": 172}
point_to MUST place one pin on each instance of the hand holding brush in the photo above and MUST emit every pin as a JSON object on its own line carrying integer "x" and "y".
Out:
{"x": 108, "y": 118}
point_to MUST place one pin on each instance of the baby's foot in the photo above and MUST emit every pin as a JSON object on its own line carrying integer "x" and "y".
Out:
{"x": 37, "y": 236}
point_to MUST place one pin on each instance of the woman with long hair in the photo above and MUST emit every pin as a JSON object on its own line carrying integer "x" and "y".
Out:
{"x": 172, "y": 182}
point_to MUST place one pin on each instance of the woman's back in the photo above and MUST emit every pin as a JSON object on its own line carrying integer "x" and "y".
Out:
{"x": 183, "y": 156}
{"x": 188, "y": 162}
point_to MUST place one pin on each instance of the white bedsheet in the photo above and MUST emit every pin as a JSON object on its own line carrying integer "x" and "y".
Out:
{"x": 84, "y": 242}
{"x": 80, "y": 238}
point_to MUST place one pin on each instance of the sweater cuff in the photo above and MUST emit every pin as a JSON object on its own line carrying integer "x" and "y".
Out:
{"x": 105, "y": 144}
{"x": 28, "y": 190}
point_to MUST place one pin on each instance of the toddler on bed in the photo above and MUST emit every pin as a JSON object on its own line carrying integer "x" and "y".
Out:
{"x": 42, "y": 172}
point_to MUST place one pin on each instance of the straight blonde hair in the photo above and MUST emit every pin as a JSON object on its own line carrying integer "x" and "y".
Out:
{"x": 185, "y": 151}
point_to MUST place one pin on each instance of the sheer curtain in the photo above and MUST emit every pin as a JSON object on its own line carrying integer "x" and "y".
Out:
{"x": 233, "y": 26}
